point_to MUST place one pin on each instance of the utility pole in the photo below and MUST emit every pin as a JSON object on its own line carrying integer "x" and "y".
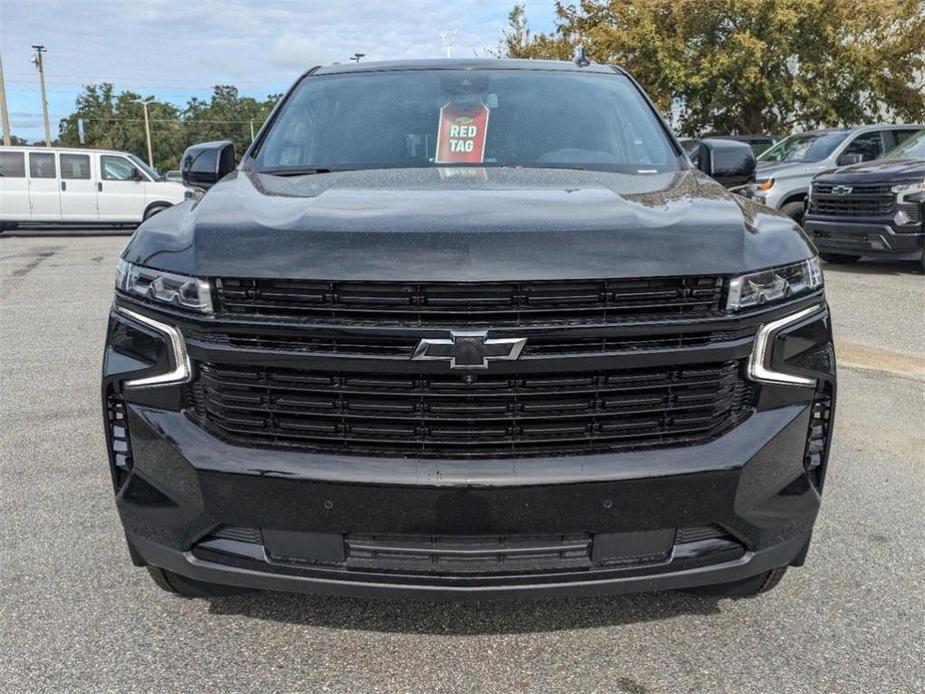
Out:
{"x": 144, "y": 107}
{"x": 252, "y": 131}
{"x": 37, "y": 61}
{"x": 4, "y": 110}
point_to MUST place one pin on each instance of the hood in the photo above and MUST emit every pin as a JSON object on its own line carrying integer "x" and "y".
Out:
{"x": 465, "y": 225}
{"x": 784, "y": 169}
{"x": 878, "y": 171}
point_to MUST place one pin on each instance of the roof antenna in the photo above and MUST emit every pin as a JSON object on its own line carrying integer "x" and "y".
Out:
{"x": 580, "y": 58}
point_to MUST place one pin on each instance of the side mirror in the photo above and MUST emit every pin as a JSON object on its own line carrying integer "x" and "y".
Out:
{"x": 204, "y": 165}
{"x": 729, "y": 162}
{"x": 849, "y": 159}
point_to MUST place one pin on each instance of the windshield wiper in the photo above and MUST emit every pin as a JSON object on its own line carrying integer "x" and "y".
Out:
{"x": 297, "y": 170}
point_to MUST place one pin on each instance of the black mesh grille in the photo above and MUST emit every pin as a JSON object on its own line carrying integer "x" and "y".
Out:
{"x": 701, "y": 533}
{"x": 119, "y": 438}
{"x": 463, "y": 554}
{"x": 466, "y": 416}
{"x": 471, "y": 303}
{"x": 862, "y": 201}
{"x": 818, "y": 436}
{"x": 913, "y": 212}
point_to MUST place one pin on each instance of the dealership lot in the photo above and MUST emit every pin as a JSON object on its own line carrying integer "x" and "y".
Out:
{"x": 77, "y": 616}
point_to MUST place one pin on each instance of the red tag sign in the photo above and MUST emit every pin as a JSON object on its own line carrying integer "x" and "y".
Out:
{"x": 461, "y": 134}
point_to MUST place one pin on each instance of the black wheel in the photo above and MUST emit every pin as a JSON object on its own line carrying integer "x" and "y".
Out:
{"x": 794, "y": 210}
{"x": 7, "y": 226}
{"x": 746, "y": 588}
{"x": 151, "y": 211}
{"x": 922, "y": 262}
{"x": 839, "y": 259}
{"x": 190, "y": 587}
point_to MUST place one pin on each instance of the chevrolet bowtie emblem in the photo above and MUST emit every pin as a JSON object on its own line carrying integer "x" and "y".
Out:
{"x": 469, "y": 350}
{"x": 842, "y": 190}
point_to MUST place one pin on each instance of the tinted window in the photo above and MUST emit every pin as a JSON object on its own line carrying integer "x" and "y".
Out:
{"x": 75, "y": 166}
{"x": 42, "y": 165}
{"x": 868, "y": 145}
{"x": 116, "y": 168}
{"x": 482, "y": 117}
{"x": 12, "y": 164}
{"x": 902, "y": 136}
{"x": 804, "y": 147}
{"x": 913, "y": 148}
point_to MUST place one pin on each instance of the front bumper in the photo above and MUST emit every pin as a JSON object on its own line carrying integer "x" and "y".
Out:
{"x": 750, "y": 482}
{"x": 873, "y": 238}
{"x": 290, "y": 520}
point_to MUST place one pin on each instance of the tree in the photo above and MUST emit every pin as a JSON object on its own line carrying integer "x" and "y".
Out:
{"x": 116, "y": 121}
{"x": 226, "y": 116}
{"x": 748, "y": 66}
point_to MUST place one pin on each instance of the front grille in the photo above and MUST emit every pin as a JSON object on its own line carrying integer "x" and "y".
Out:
{"x": 403, "y": 347}
{"x": 469, "y": 416}
{"x": 464, "y": 554}
{"x": 863, "y": 201}
{"x": 466, "y": 304}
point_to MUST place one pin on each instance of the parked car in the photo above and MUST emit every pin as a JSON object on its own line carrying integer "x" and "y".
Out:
{"x": 758, "y": 143}
{"x": 405, "y": 349}
{"x": 52, "y": 184}
{"x": 786, "y": 169}
{"x": 876, "y": 208}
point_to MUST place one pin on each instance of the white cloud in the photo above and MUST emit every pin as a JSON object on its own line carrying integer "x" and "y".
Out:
{"x": 175, "y": 49}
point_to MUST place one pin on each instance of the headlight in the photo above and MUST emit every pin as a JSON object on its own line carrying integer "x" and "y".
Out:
{"x": 764, "y": 185}
{"x": 776, "y": 284}
{"x": 164, "y": 287}
{"x": 909, "y": 188}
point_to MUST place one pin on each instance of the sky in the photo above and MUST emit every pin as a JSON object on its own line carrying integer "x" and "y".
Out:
{"x": 176, "y": 49}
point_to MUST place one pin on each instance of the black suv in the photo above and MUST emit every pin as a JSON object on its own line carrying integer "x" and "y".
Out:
{"x": 468, "y": 329}
{"x": 875, "y": 209}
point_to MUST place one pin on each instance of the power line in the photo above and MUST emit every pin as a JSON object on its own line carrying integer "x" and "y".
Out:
{"x": 80, "y": 80}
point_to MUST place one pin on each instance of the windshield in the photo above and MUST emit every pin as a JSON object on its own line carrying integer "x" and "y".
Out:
{"x": 804, "y": 147}
{"x": 913, "y": 148}
{"x": 419, "y": 118}
{"x": 153, "y": 173}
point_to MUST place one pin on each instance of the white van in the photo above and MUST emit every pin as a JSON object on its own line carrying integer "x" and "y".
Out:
{"x": 53, "y": 184}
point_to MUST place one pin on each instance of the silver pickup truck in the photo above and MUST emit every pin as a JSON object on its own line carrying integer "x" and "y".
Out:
{"x": 786, "y": 169}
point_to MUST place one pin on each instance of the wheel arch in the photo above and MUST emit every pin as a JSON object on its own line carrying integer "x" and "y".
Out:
{"x": 154, "y": 205}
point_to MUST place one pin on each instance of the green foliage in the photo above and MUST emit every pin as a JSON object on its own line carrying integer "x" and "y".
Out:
{"x": 116, "y": 121}
{"x": 749, "y": 66}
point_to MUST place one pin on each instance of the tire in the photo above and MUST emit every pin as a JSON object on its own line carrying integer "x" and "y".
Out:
{"x": 153, "y": 210}
{"x": 7, "y": 226}
{"x": 746, "y": 588}
{"x": 190, "y": 587}
{"x": 839, "y": 259}
{"x": 794, "y": 210}
{"x": 922, "y": 262}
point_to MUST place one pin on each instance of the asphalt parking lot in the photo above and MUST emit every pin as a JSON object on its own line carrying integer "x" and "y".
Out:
{"x": 76, "y": 616}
